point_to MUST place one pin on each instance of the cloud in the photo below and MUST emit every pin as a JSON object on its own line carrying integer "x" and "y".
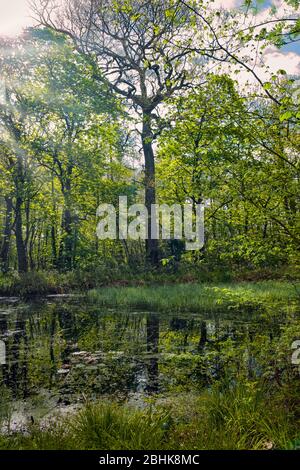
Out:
{"x": 226, "y": 4}
{"x": 288, "y": 61}
{"x": 263, "y": 61}
{"x": 271, "y": 61}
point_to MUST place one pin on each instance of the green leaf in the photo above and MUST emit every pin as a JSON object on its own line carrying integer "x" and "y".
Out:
{"x": 285, "y": 116}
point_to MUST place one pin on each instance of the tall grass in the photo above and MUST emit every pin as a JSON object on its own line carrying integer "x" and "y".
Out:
{"x": 244, "y": 417}
{"x": 240, "y": 416}
{"x": 196, "y": 297}
{"x": 109, "y": 426}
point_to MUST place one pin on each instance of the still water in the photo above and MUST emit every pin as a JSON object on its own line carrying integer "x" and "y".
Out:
{"x": 62, "y": 351}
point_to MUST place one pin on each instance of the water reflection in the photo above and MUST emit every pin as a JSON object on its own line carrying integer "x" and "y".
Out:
{"x": 68, "y": 350}
{"x": 152, "y": 349}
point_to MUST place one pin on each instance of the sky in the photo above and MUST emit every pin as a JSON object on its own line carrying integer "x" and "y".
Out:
{"x": 15, "y": 15}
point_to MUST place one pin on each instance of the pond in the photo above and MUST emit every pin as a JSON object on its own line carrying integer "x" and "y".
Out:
{"x": 63, "y": 351}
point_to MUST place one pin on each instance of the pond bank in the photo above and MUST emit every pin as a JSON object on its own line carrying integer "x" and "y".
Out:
{"x": 41, "y": 283}
{"x": 239, "y": 417}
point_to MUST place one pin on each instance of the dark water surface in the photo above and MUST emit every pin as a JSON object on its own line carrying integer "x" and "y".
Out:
{"x": 61, "y": 351}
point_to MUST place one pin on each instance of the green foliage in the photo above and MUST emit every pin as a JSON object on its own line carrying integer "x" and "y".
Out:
{"x": 33, "y": 284}
{"x": 66, "y": 146}
{"x": 216, "y": 151}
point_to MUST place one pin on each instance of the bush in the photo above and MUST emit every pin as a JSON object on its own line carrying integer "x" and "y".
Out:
{"x": 34, "y": 283}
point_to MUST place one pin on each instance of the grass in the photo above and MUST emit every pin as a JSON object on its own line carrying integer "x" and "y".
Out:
{"x": 244, "y": 416}
{"x": 197, "y": 297}
{"x": 40, "y": 283}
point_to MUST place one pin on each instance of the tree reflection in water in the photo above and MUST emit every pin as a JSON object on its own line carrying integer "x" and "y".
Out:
{"x": 68, "y": 350}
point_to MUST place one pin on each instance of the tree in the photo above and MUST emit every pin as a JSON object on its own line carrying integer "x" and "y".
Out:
{"x": 61, "y": 138}
{"x": 143, "y": 50}
{"x": 238, "y": 154}
{"x": 12, "y": 117}
{"x": 8, "y": 217}
{"x": 66, "y": 107}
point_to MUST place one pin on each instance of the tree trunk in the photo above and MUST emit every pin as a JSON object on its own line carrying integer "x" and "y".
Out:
{"x": 150, "y": 194}
{"x": 66, "y": 243}
{"x": 21, "y": 249}
{"x": 4, "y": 253}
{"x": 31, "y": 248}
{"x": 53, "y": 246}
{"x": 19, "y": 181}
